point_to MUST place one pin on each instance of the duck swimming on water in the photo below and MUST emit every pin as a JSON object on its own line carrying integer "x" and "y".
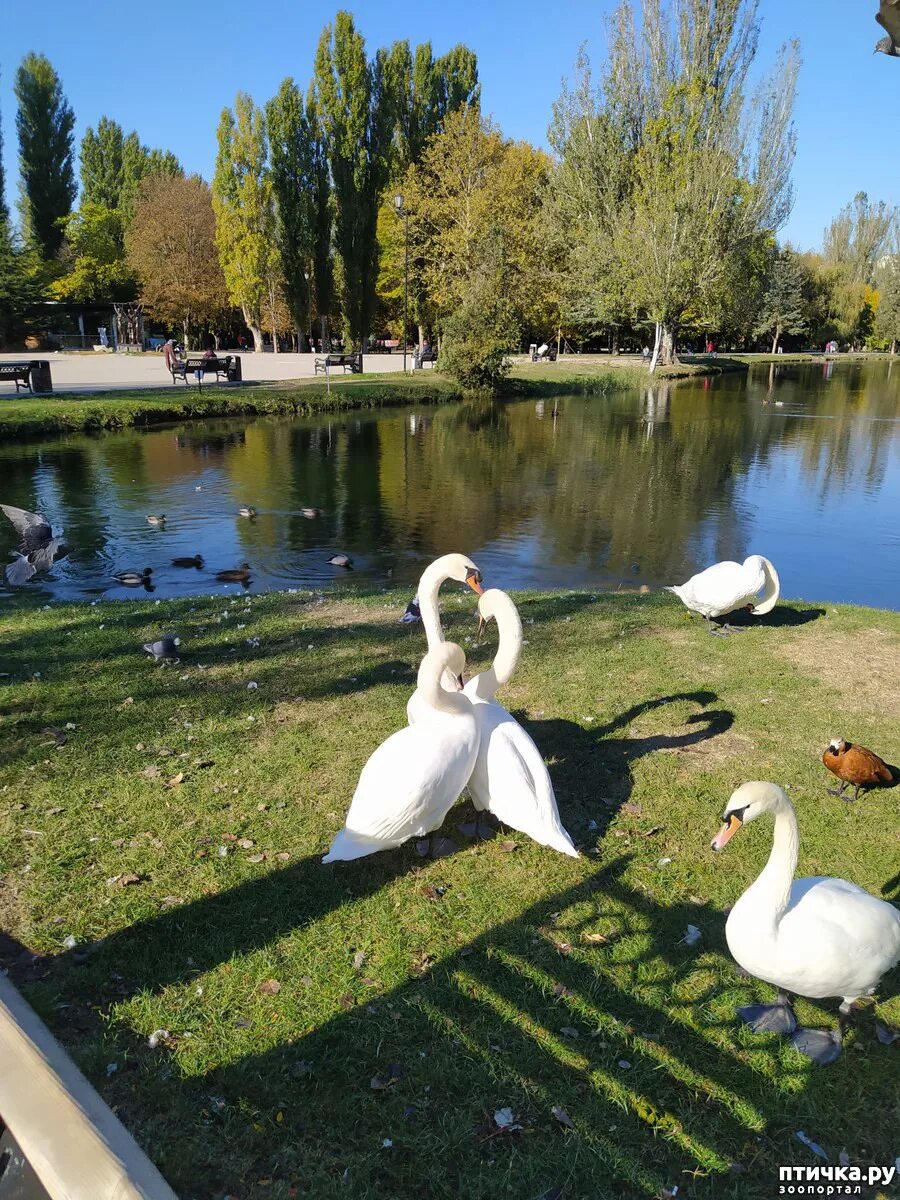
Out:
{"x": 134, "y": 578}
{"x": 195, "y": 561}
{"x": 159, "y": 519}
{"x": 235, "y": 575}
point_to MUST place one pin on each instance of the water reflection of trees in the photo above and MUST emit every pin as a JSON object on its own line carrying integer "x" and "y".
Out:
{"x": 636, "y": 483}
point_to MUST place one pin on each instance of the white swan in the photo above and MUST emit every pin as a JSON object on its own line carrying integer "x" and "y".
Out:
{"x": 412, "y": 780}
{"x": 728, "y": 586}
{"x": 815, "y": 937}
{"x": 449, "y": 566}
{"x": 509, "y": 778}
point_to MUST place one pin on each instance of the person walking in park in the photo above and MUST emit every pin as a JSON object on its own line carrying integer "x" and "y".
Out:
{"x": 169, "y": 355}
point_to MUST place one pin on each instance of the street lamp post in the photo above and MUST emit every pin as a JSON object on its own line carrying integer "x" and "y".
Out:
{"x": 402, "y": 212}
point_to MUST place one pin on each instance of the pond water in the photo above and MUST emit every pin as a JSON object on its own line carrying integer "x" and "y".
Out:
{"x": 800, "y": 463}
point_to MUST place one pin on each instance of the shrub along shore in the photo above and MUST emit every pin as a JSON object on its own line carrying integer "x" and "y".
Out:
{"x": 270, "y": 1027}
{"x": 69, "y": 412}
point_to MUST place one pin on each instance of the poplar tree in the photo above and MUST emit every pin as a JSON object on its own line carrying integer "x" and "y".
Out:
{"x": 355, "y": 115}
{"x": 243, "y": 205}
{"x": 44, "y": 124}
{"x": 101, "y": 164}
{"x": 292, "y": 157}
{"x": 689, "y": 169}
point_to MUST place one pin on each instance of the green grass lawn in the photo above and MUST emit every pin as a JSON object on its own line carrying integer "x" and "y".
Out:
{"x": 350, "y": 1030}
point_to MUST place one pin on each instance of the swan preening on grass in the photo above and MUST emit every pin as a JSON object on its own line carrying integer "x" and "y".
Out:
{"x": 510, "y": 778}
{"x": 817, "y": 937}
{"x": 727, "y": 586}
{"x": 413, "y": 779}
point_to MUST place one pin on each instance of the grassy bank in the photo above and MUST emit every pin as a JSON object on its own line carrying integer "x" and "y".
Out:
{"x": 69, "y": 412}
{"x": 351, "y": 1030}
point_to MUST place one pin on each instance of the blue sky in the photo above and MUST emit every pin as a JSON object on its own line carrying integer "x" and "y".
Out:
{"x": 169, "y": 72}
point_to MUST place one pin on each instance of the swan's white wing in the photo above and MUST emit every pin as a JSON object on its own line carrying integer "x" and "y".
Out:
{"x": 721, "y": 588}
{"x": 837, "y": 938}
{"x": 408, "y": 785}
{"x": 33, "y": 529}
{"x": 19, "y": 571}
{"x": 519, "y": 789}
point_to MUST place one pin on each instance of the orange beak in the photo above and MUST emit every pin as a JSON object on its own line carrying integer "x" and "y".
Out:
{"x": 473, "y": 579}
{"x": 727, "y": 832}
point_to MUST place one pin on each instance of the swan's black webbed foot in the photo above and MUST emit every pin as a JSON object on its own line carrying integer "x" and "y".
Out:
{"x": 821, "y": 1046}
{"x": 770, "y": 1018}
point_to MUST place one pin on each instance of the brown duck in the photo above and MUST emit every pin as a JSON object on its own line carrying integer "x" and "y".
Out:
{"x": 855, "y": 765}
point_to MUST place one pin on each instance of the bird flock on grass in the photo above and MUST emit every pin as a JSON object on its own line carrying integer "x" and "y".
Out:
{"x": 816, "y": 937}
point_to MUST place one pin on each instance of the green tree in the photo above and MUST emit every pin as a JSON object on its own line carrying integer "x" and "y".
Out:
{"x": 171, "y": 244}
{"x": 94, "y": 258}
{"x": 323, "y": 263}
{"x": 887, "y": 319}
{"x": 44, "y": 124}
{"x": 688, "y": 170}
{"x": 101, "y": 164}
{"x": 783, "y": 308}
{"x": 857, "y": 238}
{"x": 140, "y": 163}
{"x": 480, "y": 334}
{"x": 244, "y": 206}
{"x": 423, "y": 90}
{"x": 472, "y": 185}
{"x": 292, "y": 157}
{"x": 20, "y": 285}
{"x": 4, "y": 211}
{"x": 355, "y": 114}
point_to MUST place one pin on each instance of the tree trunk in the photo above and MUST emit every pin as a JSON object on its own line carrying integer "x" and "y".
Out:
{"x": 654, "y": 358}
{"x": 614, "y": 342}
{"x": 257, "y": 337}
{"x": 421, "y": 337}
{"x": 323, "y": 321}
{"x": 667, "y": 356}
{"x": 775, "y": 341}
{"x": 187, "y": 340}
{"x": 893, "y": 347}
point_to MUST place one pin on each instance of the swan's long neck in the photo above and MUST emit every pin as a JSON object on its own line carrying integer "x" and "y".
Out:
{"x": 771, "y": 891}
{"x": 772, "y": 588}
{"x": 429, "y": 586}
{"x": 509, "y": 647}
{"x": 438, "y": 697}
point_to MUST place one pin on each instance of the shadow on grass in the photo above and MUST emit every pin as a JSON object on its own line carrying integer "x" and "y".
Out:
{"x": 593, "y": 772}
{"x": 624, "y": 1038}
{"x": 782, "y": 616}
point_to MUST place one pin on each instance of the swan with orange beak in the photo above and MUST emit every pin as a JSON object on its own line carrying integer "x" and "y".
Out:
{"x": 815, "y": 937}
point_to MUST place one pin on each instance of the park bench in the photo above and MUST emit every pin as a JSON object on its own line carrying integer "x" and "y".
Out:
{"x": 347, "y": 362}
{"x": 33, "y": 375}
{"x": 198, "y": 366}
{"x": 421, "y": 357}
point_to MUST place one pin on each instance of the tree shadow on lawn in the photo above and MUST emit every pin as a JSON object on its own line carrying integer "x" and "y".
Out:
{"x": 626, "y": 1040}
{"x": 593, "y": 773}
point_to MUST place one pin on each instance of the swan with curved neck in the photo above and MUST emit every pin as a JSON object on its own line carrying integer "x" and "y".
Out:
{"x": 413, "y": 779}
{"x": 726, "y": 587}
{"x": 448, "y": 566}
{"x": 510, "y": 778}
{"x": 815, "y": 937}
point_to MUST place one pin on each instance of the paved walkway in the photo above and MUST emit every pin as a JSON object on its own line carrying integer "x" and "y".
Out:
{"x": 88, "y": 371}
